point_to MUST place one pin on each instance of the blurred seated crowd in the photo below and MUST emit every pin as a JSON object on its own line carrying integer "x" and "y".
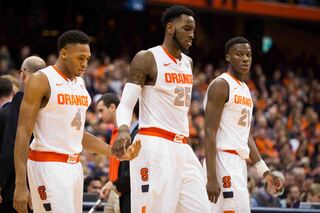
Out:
{"x": 298, "y": 2}
{"x": 285, "y": 123}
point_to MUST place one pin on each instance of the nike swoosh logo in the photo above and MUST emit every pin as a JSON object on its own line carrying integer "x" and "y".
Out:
{"x": 166, "y": 64}
{"x": 58, "y": 84}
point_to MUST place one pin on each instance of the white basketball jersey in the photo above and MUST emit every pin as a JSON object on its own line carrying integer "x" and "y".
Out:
{"x": 233, "y": 133}
{"x": 59, "y": 125}
{"x": 165, "y": 105}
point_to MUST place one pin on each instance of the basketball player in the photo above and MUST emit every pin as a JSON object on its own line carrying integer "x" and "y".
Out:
{"x": 228, "y": 112}
{"x": 54, "y": 107}
{"x": 166, "y": 176}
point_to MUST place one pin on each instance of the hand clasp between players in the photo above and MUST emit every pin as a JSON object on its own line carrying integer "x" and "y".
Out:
{"x": 122, "y": 148}
{"x": 132, "y": 151}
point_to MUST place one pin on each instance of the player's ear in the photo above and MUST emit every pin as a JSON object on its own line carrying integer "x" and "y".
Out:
{"x": 170, "y": 28}
{"x": 63, "y": 53}
{"x": 228, "y": 58}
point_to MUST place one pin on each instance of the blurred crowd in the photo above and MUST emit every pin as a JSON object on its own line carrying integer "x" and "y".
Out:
{"x": 299, "y": 2}
{"x": 285, "y": 123}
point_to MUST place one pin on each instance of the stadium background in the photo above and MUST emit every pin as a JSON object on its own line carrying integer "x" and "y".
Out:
{"x": 284, "y": 78}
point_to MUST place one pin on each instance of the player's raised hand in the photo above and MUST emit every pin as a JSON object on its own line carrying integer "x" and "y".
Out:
{"x": 20, "y": 199}
{"x": 132, "y": 151}
{"x": 275, "y": 181}
{"x": 213, "y": 189}
{"x": 122, "y": 142}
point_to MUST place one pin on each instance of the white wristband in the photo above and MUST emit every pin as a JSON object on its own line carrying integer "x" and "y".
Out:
{"x": 261, "y": 167}
{"x": 130, "y": 95}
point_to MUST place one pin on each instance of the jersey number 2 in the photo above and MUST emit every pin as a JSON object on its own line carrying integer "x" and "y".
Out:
{"x": 244, "y": 116}
{"x": 183, "y": 96}
{"x": 76, "y": 121}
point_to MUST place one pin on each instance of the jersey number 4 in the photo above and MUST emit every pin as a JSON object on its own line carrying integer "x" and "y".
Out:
{"x": 183, "y": 97}
{"x": 76, "y": 121}
{"x": 244, "y": 120}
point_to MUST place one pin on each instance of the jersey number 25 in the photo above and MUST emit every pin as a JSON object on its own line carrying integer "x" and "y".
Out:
{"x": 183, "y": 97}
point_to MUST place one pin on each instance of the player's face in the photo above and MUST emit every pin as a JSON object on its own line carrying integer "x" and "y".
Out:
{"x": 77, "y": 57}
{"x": 184, "y": 28}
{"x": 239, "y": 57}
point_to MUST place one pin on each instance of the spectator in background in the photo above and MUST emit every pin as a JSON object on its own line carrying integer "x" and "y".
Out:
{"x": 266, "y": 197}
{"x": 311, "y": 196}
{"x": 106, "y": 109}
{"x": 94, "y": 185}
{"x": 293, "y": 196}
{"x": 14, "y": 81}
{"x": 7, "y": 174}
{"x": 119, "y": 183}
{"x": 6, "y": 95}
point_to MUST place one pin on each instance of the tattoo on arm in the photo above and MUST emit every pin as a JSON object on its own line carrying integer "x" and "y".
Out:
{"x": 140, "y": 67}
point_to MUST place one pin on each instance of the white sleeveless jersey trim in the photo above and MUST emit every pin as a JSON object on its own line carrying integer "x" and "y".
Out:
{"x": 60, "y": 124}
{"x": 234, "y": 129}
{"x": 165, "y": 105}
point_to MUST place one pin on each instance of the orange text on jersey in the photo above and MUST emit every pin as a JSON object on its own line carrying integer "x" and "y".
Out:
{"x": 179, "y": 78}
{"x": 238, "y": 99}
{"x": 75, "y": 100}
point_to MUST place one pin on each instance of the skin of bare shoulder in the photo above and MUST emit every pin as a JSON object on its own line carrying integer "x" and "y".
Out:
{"x": 37, "y": 89}
{"x": 143, "y": 70}
{"x": 218, "y": 91}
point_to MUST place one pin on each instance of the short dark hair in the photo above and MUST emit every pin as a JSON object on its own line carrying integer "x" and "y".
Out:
{"x": 233, "y": 41}
{"x": 174, "y": 12}
{"x": 6, "y": 87}
{"x": 72, "y": 37}
{"x": 109, "y": 98}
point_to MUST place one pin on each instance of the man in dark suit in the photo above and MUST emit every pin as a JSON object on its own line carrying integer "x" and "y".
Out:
{"x": 117, "y": 189}
{"x": 7, "y": 174}
{"x": 6, "y": 94}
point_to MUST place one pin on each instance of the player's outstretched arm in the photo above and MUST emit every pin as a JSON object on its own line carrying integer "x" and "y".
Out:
{"x": 96, "y": 145}
{"x": 218, "y": 93}
{"x": 138, "y": 73}
{"x": 36, "y": 90}
{"x": 262, "y": 168}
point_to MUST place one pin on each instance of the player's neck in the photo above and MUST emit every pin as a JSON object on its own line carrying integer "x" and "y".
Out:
{"x": 237, "y": 75}
{"x": 63, "y": 69}
{"x": 170, "y": 47}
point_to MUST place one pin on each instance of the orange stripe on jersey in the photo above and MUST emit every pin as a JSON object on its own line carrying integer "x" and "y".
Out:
{"x": 238, "y": 99}
{"x": 169, "y": 55}
{"x": 178, "y": 78}
{"x": 231, "y": 151}
{"x": 143, "y": 210}
{"x": 157, "y": 132}
{"x": 74, "y": 100}
{"x": 229, "y": 211}
{"x": 60, "y": 73}
{"x": 53, "y": 157}
{"x": 239, "y": 82}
